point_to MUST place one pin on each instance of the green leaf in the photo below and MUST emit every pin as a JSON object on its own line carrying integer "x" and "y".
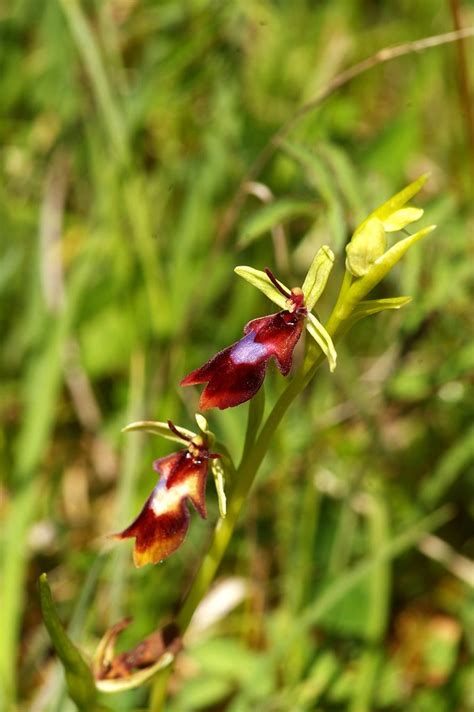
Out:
{"x": 317, "y": 277}
{"x": 322, "y": 338}
{"x": 203, "y": 692}
{"x": 457, "y": 459}
{"x": 374, "y": 306}
{"x": 158, "y": 428}
{"x": 79, "y": 679}
{"x": 323, "y": 181}
{"x": 346, "y": 177}
{"x": 271, "y": 215}
{"x": 259, "y": 279}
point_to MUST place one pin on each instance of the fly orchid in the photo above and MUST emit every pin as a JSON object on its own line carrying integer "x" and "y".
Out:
{"x": 161, "y": 526}
{"x": 235, "y": 374}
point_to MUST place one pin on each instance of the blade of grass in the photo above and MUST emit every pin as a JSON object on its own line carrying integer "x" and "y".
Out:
{"x": 391, "y": 549}
{"x": 132, "y": 185}
{"x": 457, "y": 457}
{"x": 42, "y": 384}
{"x": 302, "y": 556}
{"x": 387, "y": 54}
{"x": 126, "y": 483}
{"x": 90, "y": 54}
{"x": 377, "y": 618}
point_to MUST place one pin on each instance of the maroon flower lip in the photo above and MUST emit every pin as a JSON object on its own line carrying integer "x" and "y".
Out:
{"x": 162, "y": 524}
{"x": 236, "y": 373}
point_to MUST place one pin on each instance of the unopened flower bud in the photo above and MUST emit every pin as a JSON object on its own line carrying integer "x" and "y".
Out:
{"x": 366, "y": 246}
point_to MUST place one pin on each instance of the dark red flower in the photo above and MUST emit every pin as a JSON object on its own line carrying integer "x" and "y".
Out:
{"x": 235, "y": 374}
{"x": 161, "y": 526}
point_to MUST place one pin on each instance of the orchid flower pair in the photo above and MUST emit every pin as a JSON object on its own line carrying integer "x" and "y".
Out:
{"x": 235, "y": 374}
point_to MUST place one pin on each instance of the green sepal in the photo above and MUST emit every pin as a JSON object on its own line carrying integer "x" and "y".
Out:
{"x": 317, "y": 277}
{"x": 219, "y": 481}
{"x": 383, "y": 265}
{"x": 79, "y": 679}
{"x": 259, "y": 279}
{"x": 158, "y": 428}
{"x": 401, "y": 218}
{"x": 322, "y": 338}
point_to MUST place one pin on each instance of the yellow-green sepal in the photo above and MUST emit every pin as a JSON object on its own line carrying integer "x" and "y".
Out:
{"x": 259, "y": 279}
{"x": 322, "y": 338}
{"x": 317, "y": 277}
{"x": 156, "y": 427}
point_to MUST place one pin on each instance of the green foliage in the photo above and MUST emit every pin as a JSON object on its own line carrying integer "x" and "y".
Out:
{"x": 126, "y": 129}
{"x": 79, "y": 679}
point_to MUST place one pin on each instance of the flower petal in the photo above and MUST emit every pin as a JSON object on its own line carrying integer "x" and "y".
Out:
{"x": 161, "y": 526}
{"x": 278, "y": 334}
{"x": 396, "y": 202}
{"x": 401, "y": 218}
{"x": 233, "y": 385}
{"x": 235, "y": 374}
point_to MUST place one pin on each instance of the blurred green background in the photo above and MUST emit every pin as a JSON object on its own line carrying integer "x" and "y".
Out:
{"x": 126, "y": 128}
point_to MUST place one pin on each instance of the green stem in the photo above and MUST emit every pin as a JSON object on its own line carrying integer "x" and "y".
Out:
{"x": 254, "y": 418}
